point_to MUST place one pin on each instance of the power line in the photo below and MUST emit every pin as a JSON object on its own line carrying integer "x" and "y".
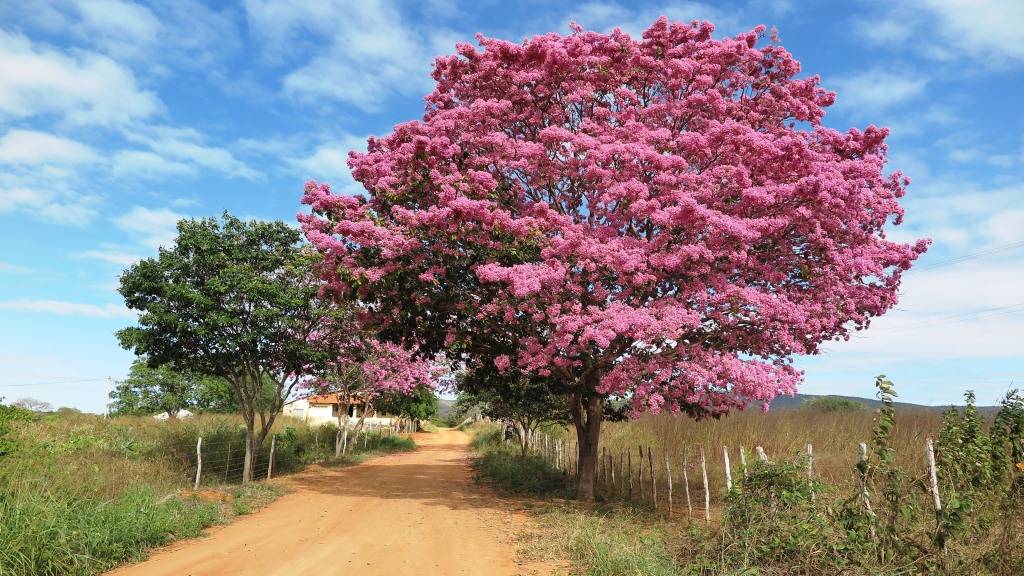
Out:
{"x": 999, "y": 248}
{"x": 107, "y": 378}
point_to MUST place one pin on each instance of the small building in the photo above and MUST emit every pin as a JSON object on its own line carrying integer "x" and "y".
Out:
{"x": 325, "y": 409}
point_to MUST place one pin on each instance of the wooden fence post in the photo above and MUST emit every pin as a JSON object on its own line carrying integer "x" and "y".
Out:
{"x": 270, "y": 463}
{"x": 629, "y": 457}
{"x": 686, "y": 485}
{"x": 199, "y": 463}
{"x": 344, "y": 441}
{"x": 728, "y": 469}
{"x": 668, "y": 477}
{"x": 654, "y": 478}
{"x": 810, "y": 470}
{"x": 640, "y": 473}
{"x": 743, "y": 461}
{"x": 707, "y": 493}
{"x": 932, "y": 475}
{"x": 227, "y": 465}
{"x": 865, "y": 496}
{"x": 611, "y": 471}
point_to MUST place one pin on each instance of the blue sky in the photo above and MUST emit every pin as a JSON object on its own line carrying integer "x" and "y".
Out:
{"x": 118, "y": 118}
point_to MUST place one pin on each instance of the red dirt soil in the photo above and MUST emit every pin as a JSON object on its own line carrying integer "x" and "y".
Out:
{"x": 416, "y": 513}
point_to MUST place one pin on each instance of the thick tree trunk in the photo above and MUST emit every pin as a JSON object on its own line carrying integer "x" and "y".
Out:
{"x": 586, "y": 416}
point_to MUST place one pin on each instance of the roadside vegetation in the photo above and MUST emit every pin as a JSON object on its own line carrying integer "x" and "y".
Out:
{"x": 776, "y": 521}
{"x": 80, "y": 493}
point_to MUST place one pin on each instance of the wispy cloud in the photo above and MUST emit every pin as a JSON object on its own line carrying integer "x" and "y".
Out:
{"x": 366, "y": 52}
{"x": 68, "y": 308}
{"x": 34, "y": 147}
{"x": 877, "y": 89}
{"x": 987, "y": 31}
{"x": 151, "y": 228}
{"x": 81, "y": 88}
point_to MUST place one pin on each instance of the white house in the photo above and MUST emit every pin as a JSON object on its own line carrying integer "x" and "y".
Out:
{"x": 324, "y": 409}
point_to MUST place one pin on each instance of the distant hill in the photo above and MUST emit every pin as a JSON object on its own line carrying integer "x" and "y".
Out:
{"x": 444, "y": 407}
{"x": 789, "y": 402}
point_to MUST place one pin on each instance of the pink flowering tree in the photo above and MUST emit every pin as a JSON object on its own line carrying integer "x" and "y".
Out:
{"x": 362, "y": 368}
{"x": 662, "y": 219}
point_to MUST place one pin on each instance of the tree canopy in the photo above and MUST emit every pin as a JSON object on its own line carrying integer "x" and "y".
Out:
{"x": 663, "y": 219}
{"x": 148, "y": 390}
{"x": 234, "y": 299}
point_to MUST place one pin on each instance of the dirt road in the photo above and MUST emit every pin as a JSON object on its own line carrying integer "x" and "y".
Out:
{"x": 417, "y": 513}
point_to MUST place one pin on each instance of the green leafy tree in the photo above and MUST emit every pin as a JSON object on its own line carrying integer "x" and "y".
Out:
{"x": 233, "y": 299}
{"x": 149, "y": 390}
{"x": 526, "y": 401}
{"x": 419, "y": 404}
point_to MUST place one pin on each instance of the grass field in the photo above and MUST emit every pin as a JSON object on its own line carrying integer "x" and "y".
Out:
{"x": 81, "y": 493}
{"x": 776, "y": 521}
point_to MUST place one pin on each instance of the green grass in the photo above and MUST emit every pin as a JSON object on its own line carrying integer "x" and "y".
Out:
{"x": 612, "y": 541}
{"x": 49, "y": 534}
{"x": 503, "y": 467}
{"x": 80, "y": 494}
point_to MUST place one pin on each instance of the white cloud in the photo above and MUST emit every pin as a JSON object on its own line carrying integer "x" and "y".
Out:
{"x": 82, "y": 89}
{"x": 364, "y": 52}
{"x": 32, "y": 147}
{"x": 62, "y": 208}
{"x": 877, "y": 89}
{"x": 156, "y": 37}
{"x": 988, "y": 31}
{"x": 968, "y": 312}
{"x": 150, "y": 228}
{"x": 149, "y": 165}
{"x": 177, "y": 150}
{"x": 329, "y": 163}
{"x": 111, "y": 255}
{"x": 68, "y": 308}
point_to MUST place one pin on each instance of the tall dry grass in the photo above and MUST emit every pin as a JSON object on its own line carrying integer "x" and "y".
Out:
{"x": 80, "y": 493}
{"x": 783, "y": 434}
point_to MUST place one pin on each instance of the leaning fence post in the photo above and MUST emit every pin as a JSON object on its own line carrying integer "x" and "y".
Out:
{"x": 932, "y": 476}
{"x": 686, "y": 485}
{"x": 654, "y": 478}
{"x": 728, "y": 469}
{"x": 270, "y": 463}
{"x": 810, "y": 470}
{"x": 344, "y": 441}
{"x": 668, "y": 477}
{"x": 743, "y": 461}
{"x": 707, "y": 494}
{"x": 199, "y": 462}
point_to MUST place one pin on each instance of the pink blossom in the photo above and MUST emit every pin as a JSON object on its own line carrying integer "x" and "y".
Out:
{"x": 664, "y": 219}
